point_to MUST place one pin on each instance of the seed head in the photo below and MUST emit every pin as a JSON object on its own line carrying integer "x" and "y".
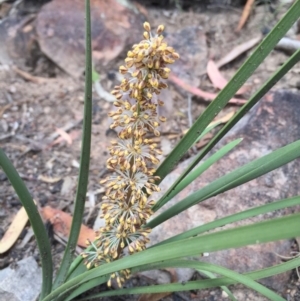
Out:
{"x": 133, "y": 156}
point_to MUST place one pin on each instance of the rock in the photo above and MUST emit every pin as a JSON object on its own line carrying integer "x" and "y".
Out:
{"x": 22, "y": 283}
{"x": 245, "y": 294}
{"x": 60, "y": 29}
{"x": 18, "y": 41}
{"x": 190, "y": 43}
{"x": 273, "y": 123}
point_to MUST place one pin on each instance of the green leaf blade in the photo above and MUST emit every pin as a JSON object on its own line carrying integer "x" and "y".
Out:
{"x": 246, "y": 70}
{"x": 198, "y": 171}
{"x": 294, "y": 201}
{"x": 276, "y": 229}
{"x": 84, "y": 160}
{"x": 239, "y": 176}
{"x": 199, "y": 284}
{"x": 36, "y": 222}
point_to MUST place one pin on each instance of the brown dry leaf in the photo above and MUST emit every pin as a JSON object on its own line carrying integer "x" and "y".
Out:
{"x": 173, "y": 274}
{"x": 14, "y": 230}
{"x": 198, "y": 92}
{"x": 237, "y": 51}
{"x": 159, "y": 296}
{"x": 62, "y": 221}
{"x": 223, "y": 119}
{"x": 153, "y": 297}
{"x": 49, "y": 180}
{"x": 4, "y": 108}
{"x": 245, "y": 14}
{"x": 217, "y": 78}
{"x": 204, "y": 141}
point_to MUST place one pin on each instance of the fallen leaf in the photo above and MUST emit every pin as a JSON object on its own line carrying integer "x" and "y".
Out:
{"x": 204, "y": 141}
{"x": 223, "y": 119}
{"x": 14, "y": 230}
{"x": 237, "y": 51}
{"x": 62, "y": 221}
{"x": 153, "y": 297}
{"x": 64, "y": 135}
{"x": 209, "y": 136}
{"x": 173, "y": 274}
{"x": 245, "y": 14}
{"x": 49, "y": 180}
{"x": 200, "y": 93}
{"x": 4, "y": 108}
{"x": 70, "y": 125}
{"x": 217, "y": 78}
{"x": 298, "y": 242}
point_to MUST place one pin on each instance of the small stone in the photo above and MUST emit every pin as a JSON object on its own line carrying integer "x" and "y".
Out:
{"x": 161, "y": 277}
{"x": 12, "y": 89}
{"x": 60, "y": 32}
{"x": 224, "y": 294}
{"x": 22, "y": 283}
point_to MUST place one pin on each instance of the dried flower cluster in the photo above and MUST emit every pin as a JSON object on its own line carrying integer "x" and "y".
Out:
{"x": 126, "y": 205}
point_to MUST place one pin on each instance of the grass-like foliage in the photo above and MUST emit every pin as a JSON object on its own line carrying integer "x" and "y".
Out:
{"x": 127, "y": 206}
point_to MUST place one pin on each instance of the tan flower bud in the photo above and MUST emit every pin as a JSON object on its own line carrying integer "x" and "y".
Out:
{"x": 146, "y": 35}
{"x": 123, "y": 70}
{"x": 147, "y": 26}
{"x": 160, "y": 29}
{"x": 175, "y": 55}
{"x": 130, "y": 54}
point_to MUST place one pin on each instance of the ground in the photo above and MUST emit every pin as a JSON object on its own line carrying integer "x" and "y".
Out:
{"x": 31, "y": 112}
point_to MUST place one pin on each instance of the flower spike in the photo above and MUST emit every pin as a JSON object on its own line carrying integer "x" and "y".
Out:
{"x": 126, "y": 206}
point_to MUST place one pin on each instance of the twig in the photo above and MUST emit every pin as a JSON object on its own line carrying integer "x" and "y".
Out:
{"x": 29, "y": 77}
{"x": 245, "y": 14}
{"x": 3, "y": 109}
